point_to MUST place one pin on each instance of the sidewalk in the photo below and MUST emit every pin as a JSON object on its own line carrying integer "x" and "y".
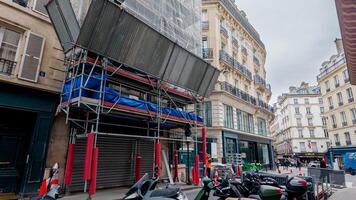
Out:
{"x": 119, "y": 193}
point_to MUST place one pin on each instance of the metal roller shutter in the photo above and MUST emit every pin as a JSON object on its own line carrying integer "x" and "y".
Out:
{"x": 116, "y": 161}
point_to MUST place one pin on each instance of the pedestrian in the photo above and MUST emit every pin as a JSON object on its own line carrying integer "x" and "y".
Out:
{"x": 299, "y": 164}
{"x": 324, "y": 176}
{"x": 322, "y": 163}
{"x": 208, "y": 166}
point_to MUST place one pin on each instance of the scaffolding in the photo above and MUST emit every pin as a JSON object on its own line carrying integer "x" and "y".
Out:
{"x": 98, "y": 91}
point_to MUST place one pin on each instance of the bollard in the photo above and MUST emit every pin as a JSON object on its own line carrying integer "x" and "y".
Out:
{"x": 138, "y": 168}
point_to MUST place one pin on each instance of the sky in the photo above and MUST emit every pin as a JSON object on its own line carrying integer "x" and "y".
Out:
{"x": 298, "y": 34}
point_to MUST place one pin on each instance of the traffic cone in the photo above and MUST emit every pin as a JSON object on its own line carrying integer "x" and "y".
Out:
{"x": 43, "y": 188}
{"x": 216, "y": 176}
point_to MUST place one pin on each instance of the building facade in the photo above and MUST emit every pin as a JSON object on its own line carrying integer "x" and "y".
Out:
{"x": 237, "y": 113}
{"x": 298, "y": 127}
{"x": 338, "y": 99}
{"x": 31, "y": 75}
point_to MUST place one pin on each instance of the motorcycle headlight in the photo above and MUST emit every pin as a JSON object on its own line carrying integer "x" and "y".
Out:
{"x": 182, "y": 196}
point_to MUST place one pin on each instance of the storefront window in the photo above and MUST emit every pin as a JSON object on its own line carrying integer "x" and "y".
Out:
{"x": 264, "y": 157}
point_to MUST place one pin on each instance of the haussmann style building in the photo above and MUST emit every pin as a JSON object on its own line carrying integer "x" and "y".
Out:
{"x": 237, "y": 113}
{"x": 299, "y": 131}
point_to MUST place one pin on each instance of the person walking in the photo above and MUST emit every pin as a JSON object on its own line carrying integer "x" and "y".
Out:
{"x": 208, "y": 166}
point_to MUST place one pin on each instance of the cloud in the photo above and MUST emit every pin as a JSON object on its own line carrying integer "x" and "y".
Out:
{"x": 298, "y": 35}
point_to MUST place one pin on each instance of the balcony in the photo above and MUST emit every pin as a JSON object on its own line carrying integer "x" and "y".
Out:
{"x": 235, "y": 64}
{"x": 334, "y": 126}
{"x": 244, "y": 51}
{"x": 348, "y": 142}
{"x": 7, "y": 66}
{"x": 331, "y": 107}
{"x": 256, "y": 60}
{"x": 337, "y": 85}
{"x": 347, "y": 80}
{"x": 337, "y": 144}
{"x": 331, "y": 67}
{"x": 205, "y": 25}
{"x": 224, "y": 86}
{"x": 351, "y": 100}
{"x": 327, "y": 89}
{"x": 208, "y": 53}
{"x": 235, "y": 42}
{"x": 261, "y": 83}
{"x": 223, "y": 31}
{"x": 341, "y": 103}
{"x": 344, "y": 123}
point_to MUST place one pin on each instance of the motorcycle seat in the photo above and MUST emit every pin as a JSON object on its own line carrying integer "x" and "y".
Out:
{"x": 167, "y": 192}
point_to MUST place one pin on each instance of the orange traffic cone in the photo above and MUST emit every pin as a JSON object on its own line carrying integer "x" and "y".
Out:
{"x": 43, "y": 188}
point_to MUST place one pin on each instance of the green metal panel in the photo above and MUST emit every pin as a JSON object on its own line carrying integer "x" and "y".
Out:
{"x": 37, "y": 152}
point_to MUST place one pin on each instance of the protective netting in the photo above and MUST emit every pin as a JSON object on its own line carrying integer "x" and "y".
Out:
{"x": 178, "y": 20}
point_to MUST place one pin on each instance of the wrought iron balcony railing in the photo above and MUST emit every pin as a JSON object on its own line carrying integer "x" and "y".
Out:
{"x": 224, "y": 31}
{"x": 7, "y": 66}
{"x": 207, "y": 53}
{"x": 235, "y": 64}
{"x": 245, "y": 96}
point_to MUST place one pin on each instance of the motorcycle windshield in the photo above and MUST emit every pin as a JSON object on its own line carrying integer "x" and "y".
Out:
{"x": 137, "y": 185}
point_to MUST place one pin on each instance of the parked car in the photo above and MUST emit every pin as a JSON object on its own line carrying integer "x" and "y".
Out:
{"x": 314, "y": 164}
{"x": 350, "y": 162}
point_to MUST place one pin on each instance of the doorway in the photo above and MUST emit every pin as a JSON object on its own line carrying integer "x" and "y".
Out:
{"x": 16, "y": 129}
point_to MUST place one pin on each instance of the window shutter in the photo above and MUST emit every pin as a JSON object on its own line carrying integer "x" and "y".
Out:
{"x": 32, "y": 57}
{"x": 39, "y": 6}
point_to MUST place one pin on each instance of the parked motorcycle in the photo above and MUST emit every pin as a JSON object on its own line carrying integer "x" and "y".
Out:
{"x": 145, "y": 188}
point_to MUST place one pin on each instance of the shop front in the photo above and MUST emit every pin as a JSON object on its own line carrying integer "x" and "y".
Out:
{"x": 252, "y": 149}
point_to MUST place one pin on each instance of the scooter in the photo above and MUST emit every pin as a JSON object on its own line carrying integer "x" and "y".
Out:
{"x": 145, "y": 188}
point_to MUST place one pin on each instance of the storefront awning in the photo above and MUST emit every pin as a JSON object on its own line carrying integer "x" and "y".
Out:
{"x": 346, "y": 10}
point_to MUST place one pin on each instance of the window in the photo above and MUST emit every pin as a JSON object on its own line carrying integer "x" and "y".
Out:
{"x": 261, "y": 126}
{"x": 324, "y": 121}
{"x": 208, "y": 113}
{"x": 311, "y": 132}
{"x": 295, "y": 101}
{"x": 237, "y": 83}
{"x": 246, "y": 88}
{"x": 205, "y": 43}
{"x": 333, "y": 120}
{"x": 9, "y": 41}
{"x": 321, "y": 109}
{"x": 32, "y": 58}
{"x": 337, "y": 140}
{"x": 314, "y": 147}
{"x": 310, "y": 121}
{"x": 336, "y": 80}
{"x": 343, "y": 118}
{"x": 326, "y": 133}
{"x": 223, "y": 46}
{"x": 228, "y": 117}
{"x": 39, "y": 6}
{"x": 330, "y": 100}
{"x": 204, "y": 16}
{"x": 308, "y": 110}
{"x": 300, "y": 132}
{"x": 21, "y": 2}
{"x": 346, "y": 76}
{"x": 320, "y": 100}
{"x": 339, "y": 98}
{"x": 297, "y": 110}
{"x": 350, "y": 94}
{"x": 327, "y": 86}
{"x": 353, "y": 115}
{"x": 347, "y": 138}
{"x": 299, "y": 122}
{"x": 302, "y": 146}
{"x": 306, "y": 101}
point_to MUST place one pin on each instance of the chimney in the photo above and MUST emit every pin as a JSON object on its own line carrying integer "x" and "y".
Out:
{"x": 339, "y": 46}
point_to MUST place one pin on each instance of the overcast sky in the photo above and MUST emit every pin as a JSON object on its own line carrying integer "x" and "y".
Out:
{"x": 298, "y": 35}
